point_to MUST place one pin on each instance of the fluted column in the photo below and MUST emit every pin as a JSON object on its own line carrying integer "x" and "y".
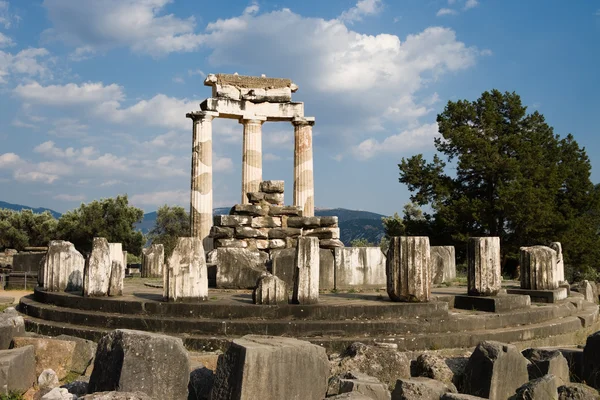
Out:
{"x": 251, "y": 156}
{"x": 201, "y": 202}
{"x": 304, "y": 187}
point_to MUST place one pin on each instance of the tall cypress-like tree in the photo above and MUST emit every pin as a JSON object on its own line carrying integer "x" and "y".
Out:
{"x": 514, "y": 178}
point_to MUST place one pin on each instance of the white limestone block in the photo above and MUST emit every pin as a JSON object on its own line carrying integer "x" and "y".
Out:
{"x": 359, "y": 267}
{"x": 97, "y": 269}
{"x": 306, "y": 273}
{"x": 153, "y": 261}
{"x": 408, "y": 268}
{"x": 443, "y": 264}
{"x": 62, "y": 267}
{"x": 560, "y": 264}
{"x": 186, "y": 276}
{"x": 538, "y": 268}
{"x": 483, "y": 266}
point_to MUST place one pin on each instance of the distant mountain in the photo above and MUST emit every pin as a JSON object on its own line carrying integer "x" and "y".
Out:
{"x": 354, "y": 224}
{"x": 19, "y": 207}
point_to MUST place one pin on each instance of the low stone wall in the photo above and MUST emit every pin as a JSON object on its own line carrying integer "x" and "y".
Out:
{"x": 359, "y": 267}
{"x": 6, "y": 258}
{"x": 27, "y": 261}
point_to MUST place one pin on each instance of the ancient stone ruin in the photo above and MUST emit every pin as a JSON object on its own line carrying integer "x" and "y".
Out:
{"x": 186, "y": 276}
{"x": 153, "y": 259}
{"x": 483, "y": 266}
{"x": 408, "y": 269}
{"x": 252, "y": 101}
{"x": 62, "y": 268}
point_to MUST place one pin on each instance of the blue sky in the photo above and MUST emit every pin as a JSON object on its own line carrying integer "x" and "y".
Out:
{"x": 93, "y": 93}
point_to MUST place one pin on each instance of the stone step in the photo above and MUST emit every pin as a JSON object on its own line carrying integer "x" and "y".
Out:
{"x": 306, "y": 328}
{"x": 551, "y": 333}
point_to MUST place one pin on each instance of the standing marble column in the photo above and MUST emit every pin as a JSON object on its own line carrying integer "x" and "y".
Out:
{"x": 201, "y": 202}
{"x": 408, "y": 269}
{"x": 539, "y": 269}
{"x": 251, "y": 156}
{"x": 483, "y": 266}
{"x": 304, "y": 187}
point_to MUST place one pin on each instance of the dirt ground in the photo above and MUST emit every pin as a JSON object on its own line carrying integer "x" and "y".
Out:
{"x": 17, "y": 294}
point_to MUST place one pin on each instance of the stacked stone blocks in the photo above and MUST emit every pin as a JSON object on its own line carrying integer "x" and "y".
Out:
{"x": 266, "y": 224}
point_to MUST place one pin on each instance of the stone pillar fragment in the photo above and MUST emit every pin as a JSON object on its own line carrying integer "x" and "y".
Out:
{"x": 153, "y": 261}
{"x": 483, "y": 266}
{"x": 560, "y": 265}
{"x": 538, "y": 268}
{"x": 251, "y": 156}
{"x": 306, "y": 271}
{"x": 270, "y": 290}
{"x": 186, "y": 276}
{"x": 443, "y": 264}
{"x": 201, "y": 202}
{"x": 304, "y": 187}
{"x": 117, "y": 269}
{"x": 408, "y": 269}
{"x": 96, "y": 277}
{"x": 62, "y": 268}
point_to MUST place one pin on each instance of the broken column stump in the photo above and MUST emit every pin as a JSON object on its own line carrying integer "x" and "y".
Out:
{"x": 306, "y": 272}
{"x": 408, "y": 269}
{"x": 539, "y": 270}
{"x": 186, "y": 277}
{"x": 483, "y": 266}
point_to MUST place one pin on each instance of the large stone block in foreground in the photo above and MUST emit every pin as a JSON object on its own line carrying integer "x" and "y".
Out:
{"x": 483, "y": 266}
{"x": 96, "y": 277}
{"x": 186, "y": 277}
{"x": 408, "y": 269}
{"x": 17, "y": 370}
{"x": 495, "y": 370}
{"x": 443, "y": 264}
{"x": 271, "y": 368}
{"x": 591, "y": 361}
{"x": 306, "y": 273}
{"x": 359, "y": 267}
{"x": 11, "y": 325}
{"x": 62, "y": 268}
{"x": 153, "y": 259}
{"x": 538, "y": 268}
{"x": 238, "y": 268}
{"x": 130, "y": 361}
{"x": 50, "y": 353}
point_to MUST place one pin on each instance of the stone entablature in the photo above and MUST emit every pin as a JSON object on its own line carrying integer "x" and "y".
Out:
{"x": 266, "y": 224}
{"x": 252, "y": 101}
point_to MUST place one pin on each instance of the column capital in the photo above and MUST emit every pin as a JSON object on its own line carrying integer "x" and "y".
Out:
{"x": 302, "y": 121}
{"x": 202, "y": 115}
{"x": 252, "y": 119}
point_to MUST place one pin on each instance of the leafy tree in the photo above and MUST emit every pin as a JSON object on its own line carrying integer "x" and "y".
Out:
{"x": 511, "y": 177}
{"x": 171, "y": 223}
{"x": 393, "y": 226}
{"x": 20, "y": 229}
{"x": 361, "y": 243}
{"x": 113, "y": 219}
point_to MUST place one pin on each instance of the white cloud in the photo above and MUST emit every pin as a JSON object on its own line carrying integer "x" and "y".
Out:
{"x": 30, "y": 62}
{"x": 20, "y": 124}
{"x": 140, "y": 25}
{"x": 446, "y": 11}
{"x": 451, "y": 2}
{"x": 192, "y": 72}
{"x": 252, "y": 9}
{"x": 6, "y": 16}
{"x": 9, "y": 160}
{"x": 68, "y": 128}
{"x": 362, "y": 8}
{"x": 70, "y": 94}
{"x": 70, "y": 197}
{"x": 5, "y": 41}
{"x": 408, "y": 140}
{"x": 171, "y": 197}
{"x": 222, "y": 164}
{"x": 111, "y": 182}
{"x": 104, "y": 101}
{"x": 471, "y": 4}
{"x": 271, "y": 157}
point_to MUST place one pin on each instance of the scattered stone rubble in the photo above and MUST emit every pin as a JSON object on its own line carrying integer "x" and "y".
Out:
{"x": 131, "y": 365}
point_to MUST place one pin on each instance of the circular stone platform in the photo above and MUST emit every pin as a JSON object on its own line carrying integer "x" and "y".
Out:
{"x": 338, "y": 320}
